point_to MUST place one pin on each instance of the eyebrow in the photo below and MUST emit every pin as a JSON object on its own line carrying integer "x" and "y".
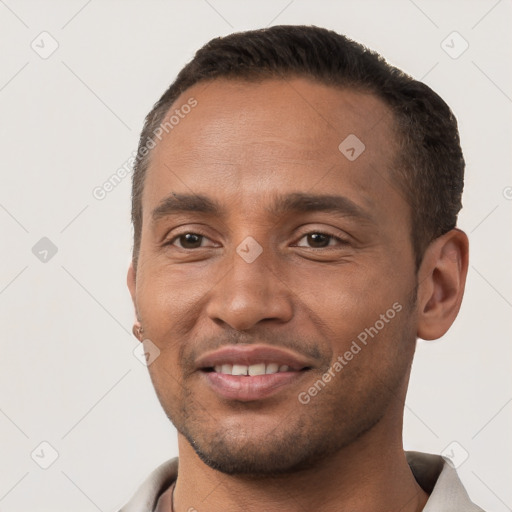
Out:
{"x": 297, "y": 202}
{"x": 301, "y": 202}
{"x": 179, "y": 203}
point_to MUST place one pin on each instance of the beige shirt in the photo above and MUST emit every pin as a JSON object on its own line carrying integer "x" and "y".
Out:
{"x": 434, "y": 474}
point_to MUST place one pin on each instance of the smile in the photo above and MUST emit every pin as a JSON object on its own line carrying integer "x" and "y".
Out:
{"x": 251, "y": 370}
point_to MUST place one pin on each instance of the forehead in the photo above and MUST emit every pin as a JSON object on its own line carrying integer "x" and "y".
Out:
{"x": 245, "y": 139}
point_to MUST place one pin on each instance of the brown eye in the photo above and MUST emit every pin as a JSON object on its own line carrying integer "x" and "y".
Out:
{"x": 189, "y": 240}
{"x": 318, "y": 239}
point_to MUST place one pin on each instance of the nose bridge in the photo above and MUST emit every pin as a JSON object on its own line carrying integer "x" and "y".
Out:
{"x": 250, "y": 291}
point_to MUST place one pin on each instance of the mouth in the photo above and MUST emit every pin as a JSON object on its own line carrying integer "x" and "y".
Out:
{"x": 249, "y": 373}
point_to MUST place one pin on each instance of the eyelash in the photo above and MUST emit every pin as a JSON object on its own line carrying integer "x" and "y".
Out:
{"x": 342, "y": 241}
{"x": 176, "y": 237}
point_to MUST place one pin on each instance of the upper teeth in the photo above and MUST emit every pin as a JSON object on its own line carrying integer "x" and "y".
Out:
{"x": 253, "y": 369}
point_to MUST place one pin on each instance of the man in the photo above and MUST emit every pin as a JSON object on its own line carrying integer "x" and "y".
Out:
{"x": 294, "y": 207}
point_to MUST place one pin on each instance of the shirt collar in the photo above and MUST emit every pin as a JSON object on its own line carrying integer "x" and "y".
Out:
{"x": 433, "y": 473}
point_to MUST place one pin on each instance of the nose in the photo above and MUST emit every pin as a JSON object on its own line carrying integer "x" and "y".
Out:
{"x": 250, "y": 293}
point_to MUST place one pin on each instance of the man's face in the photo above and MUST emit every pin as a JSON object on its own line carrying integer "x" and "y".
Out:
{"x": 275, "y": 276}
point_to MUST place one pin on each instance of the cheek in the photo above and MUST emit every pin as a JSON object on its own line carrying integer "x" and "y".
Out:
{"x": 167, "y": 296}
{"x": 167, "y": 382}
{"x": 345, "y": 299}
{"x": 170, "y": 302}
{"x": 364, "y": 317}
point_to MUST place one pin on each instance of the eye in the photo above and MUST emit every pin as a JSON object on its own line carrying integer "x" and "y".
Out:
{"x": 188, "y": 241}
{"x": 319, "y": 240}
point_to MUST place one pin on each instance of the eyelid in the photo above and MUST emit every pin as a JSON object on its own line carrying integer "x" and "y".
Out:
{"x": 342, "y": 238}
{"x": 171, "y": 240}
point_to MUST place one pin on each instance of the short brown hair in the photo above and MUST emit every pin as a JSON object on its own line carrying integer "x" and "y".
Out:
{"x": 429, "y": 164}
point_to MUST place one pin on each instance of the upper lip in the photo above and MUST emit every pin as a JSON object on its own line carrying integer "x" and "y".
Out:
{"x": 253, "y": 354}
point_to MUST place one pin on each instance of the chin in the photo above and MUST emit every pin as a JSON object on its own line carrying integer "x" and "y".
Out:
{"x": 288, "y": 447}
{"x": 258, "y": 461}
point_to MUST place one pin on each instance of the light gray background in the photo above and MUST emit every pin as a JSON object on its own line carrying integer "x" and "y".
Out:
{"x": 68, "y": 375}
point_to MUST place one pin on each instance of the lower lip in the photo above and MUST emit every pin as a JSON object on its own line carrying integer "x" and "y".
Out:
{"x": 245, "y": 388}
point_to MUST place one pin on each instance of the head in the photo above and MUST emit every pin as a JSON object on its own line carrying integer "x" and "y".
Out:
{"x": 294, "y": 190}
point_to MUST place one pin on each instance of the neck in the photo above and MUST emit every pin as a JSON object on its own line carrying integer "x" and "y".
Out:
{"x": 370, "y": 475}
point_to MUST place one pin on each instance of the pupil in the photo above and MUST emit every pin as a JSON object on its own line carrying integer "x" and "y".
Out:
{"x": 318, "y": 239}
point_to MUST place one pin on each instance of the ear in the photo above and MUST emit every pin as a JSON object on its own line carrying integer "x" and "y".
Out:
{"x": 130, "y": 281}
{"x": 441, "y": 282}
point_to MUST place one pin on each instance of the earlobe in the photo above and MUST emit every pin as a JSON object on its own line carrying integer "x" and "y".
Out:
{"x": 442, "y": 278}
